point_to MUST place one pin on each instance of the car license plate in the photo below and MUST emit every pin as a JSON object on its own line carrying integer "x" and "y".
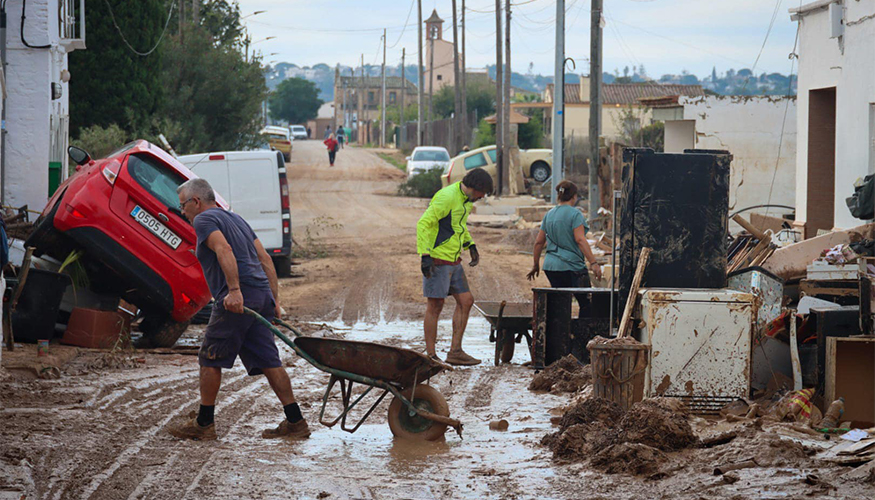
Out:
{"x": 156, "y": 227}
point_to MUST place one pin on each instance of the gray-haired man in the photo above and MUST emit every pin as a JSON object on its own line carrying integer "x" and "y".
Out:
{"x": 239, "y": 272}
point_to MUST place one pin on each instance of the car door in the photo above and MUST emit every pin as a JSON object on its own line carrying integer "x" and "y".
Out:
{"x": 255, "y": 191}
{"x": 144, "y": 197}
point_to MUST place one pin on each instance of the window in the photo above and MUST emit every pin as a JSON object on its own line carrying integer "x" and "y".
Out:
{"x": 431, "y": 155}
{"x": 392, "y": 97}
{"x": 440, "y": 77}
{"x": 370, "y": 97}
{"x": 156, "y": 177}
{"x": 493, "y": 155}
{"x": 475, "y": 161}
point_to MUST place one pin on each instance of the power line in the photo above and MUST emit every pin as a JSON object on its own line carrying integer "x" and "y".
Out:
{"x": 312, "y": 30}
{"x": 125, "y": 40}
{"x": 768, "y": 31}
{"x": 406, "y": 21}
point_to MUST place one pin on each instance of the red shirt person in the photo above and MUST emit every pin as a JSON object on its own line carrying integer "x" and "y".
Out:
{"x": 331, "y": 144}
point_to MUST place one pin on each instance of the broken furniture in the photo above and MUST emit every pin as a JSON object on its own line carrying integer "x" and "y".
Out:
{"x": 556, "y": 333}
{"x": 831, "y": 322}
{"x": 765, "y": 286}
{"x": 850, "y": 365}
{"x": 510, "y": 322}
{"x": 700, "y": 345}
{"x": 676, "y": 204}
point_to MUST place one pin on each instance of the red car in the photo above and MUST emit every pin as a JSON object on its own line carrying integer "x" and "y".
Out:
{"x": 123, "y": 211}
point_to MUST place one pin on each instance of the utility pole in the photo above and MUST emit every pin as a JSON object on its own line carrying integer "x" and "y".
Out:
{"x": 466, "y": 136}
{"x": 457, "y": 88}
{"x": 559, "y": 101}
{"x": 430, "y": 90}
{"x": 383, "y": 96}
{"x": 362, "y": 103}
{"x": 499, "y": 121}
{"x": 420, "y": 81}
{"x": 595, "y": 105}
{"x": 507, "y": 141}
{"x": 403, "y": 135}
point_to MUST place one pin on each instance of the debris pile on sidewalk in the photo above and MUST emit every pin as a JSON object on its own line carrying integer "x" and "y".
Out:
{"x": 565, "y": 375}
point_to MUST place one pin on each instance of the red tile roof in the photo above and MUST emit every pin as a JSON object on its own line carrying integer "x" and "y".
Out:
{"x": 630, "y": 93}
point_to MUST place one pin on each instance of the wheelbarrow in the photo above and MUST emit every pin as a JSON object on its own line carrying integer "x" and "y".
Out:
{"x": 417, "y": 411}
{"x": 510, "y": 323}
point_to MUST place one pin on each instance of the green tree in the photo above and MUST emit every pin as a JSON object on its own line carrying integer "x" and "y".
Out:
{"x": 484, "y": 135}
{"x": 221, "y": 19}
{"x": 112, "y": 84}
{"x": 214, "y": 97}
{"x": 481, "y": 98}
{"x": 531, "y": 135}
{"x": 295, "y": 100}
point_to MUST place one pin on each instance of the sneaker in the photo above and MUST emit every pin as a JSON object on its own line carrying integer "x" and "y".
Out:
{"x": 461, "y": 358}
{"x": 193, "y": 430}
{"x": 297, "y": 430}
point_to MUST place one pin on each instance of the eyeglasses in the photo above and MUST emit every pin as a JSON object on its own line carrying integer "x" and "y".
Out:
{"x": 182, "y": 205}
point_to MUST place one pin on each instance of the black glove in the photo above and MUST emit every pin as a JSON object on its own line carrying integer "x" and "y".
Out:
{"x": 475, "y": 255}
{"x": 427, "y": 266}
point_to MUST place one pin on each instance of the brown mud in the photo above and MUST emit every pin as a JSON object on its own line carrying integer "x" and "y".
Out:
{"x": 563, "y": 375}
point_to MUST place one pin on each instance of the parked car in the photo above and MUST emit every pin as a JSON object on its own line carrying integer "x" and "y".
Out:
{"x": 123, "y": 212}
{"x": 536, "y": 164}
{"x": 425, "y": 158}
{"x": 245, "y": 179}
{"x": 279, "y": 139}
{"x": 299, "y": 132}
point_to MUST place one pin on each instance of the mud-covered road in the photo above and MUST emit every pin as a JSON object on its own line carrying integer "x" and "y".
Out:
{"x": 99, "y": 432}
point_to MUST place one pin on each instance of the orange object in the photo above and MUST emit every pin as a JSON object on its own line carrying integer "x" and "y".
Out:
{"x": 96, "y": 329}
{"x": 800, "y": 403}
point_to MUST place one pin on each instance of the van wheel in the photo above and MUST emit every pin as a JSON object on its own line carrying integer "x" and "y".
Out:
{"x": 540, "y": 171}
{"x": 287, "y": 157}
{"x": 283, "y": 266}
{"x": 160, "y": 331}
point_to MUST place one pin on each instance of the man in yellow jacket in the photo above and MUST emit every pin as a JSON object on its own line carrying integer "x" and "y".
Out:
{"x": 441, "y": 236}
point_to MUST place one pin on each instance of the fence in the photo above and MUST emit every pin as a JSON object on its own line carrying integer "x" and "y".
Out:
{"x": 443, "y": 134}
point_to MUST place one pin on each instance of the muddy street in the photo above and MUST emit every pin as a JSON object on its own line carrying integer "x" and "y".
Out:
{"x": 99, "y": 431}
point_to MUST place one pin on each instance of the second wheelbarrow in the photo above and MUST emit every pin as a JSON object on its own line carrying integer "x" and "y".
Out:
{"x": 510, "y": 323}
{"x": 417, "y": 411}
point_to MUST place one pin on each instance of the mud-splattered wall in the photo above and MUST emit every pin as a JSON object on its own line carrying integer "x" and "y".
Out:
{"x": 749, "y": 127}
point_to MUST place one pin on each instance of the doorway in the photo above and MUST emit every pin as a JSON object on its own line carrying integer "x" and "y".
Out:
{"x": 821, "y": 160}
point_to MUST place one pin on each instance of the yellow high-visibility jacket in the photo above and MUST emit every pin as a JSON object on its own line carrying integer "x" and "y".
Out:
{"x": 442, "y": 230}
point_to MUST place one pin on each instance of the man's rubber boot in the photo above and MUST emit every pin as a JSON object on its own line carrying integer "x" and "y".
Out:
{"x": 192, "y": 430}
{"x": 461, "y": 358}
{"x": 286, "y": 429}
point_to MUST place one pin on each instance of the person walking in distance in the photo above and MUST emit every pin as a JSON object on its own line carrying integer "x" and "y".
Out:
{"x": 441, "y": 236}
{"x": 563, "y": 232}
{"x": 239, "y": 273}
{"x": 327, "y": 132}
{"x": 331, "y": 144}
{"x": 341, "y": 136}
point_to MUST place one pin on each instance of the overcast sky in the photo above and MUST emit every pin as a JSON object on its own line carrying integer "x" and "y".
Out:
{"x": 666, "y": 36}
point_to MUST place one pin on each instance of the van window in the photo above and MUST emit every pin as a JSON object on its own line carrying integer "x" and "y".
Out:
{"x": 493, "y": 155}
{"x": 156, "y": 178}
{"x": 475, "y": 161}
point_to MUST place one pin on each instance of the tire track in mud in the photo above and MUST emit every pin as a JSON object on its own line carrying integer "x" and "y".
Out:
{"x": 127, "y": 471}
{"x": 480, "y": 387}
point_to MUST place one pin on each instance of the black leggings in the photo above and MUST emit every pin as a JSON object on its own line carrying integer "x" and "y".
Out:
{"x": 572, "y": 279}
{"x": 331, "y": 155}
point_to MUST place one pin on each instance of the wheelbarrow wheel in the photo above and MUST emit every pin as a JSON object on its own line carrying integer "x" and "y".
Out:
{"x": 404, "y": 425}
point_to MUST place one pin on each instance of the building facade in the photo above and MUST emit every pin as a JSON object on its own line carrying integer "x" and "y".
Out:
{"x": 358, "y": 100}
{"x": 439, "y": 71}
{"x": 836, "y": 109}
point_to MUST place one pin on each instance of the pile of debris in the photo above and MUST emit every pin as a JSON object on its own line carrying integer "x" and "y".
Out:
{"x": 565, "y": 375}
{"x": 616, "y": 441}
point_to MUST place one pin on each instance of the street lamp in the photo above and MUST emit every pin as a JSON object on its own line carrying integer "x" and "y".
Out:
{"x": 257, "y": 12}
{"x": 248, "y": 43}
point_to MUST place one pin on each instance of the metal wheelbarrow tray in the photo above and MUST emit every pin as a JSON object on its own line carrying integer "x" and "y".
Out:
{"x": 417, "y": 411}
{"x": 510, "y": 323}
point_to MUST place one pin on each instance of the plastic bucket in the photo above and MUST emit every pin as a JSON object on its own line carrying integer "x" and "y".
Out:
{"x": 618, "y": 371}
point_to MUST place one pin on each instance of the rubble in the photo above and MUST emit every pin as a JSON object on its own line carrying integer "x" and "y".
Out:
{"x": 564, "y": 375}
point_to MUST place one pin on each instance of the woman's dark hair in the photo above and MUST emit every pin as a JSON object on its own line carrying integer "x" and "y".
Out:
{"x": 566, "y": 190}
{"x": 478, "y": 179}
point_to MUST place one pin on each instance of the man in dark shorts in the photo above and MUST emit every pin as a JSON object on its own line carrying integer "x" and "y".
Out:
{"x": 239, "y": 272}
{"x": 441, "y": 236}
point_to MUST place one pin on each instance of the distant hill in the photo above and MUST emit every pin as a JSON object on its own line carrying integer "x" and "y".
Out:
{"x": 732, "y": 82}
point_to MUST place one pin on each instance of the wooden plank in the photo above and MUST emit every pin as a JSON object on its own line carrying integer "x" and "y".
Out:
{"x": 829, "y": 388}
{"x": 761, "y": 247}
{"x": 749, "y": 227}
{"x": 626, "y": 323}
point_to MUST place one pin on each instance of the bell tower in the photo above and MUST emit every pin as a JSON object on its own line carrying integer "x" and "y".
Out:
{"x": 434, "y": 27}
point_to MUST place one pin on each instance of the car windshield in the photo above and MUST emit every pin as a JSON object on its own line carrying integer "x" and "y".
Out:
{"x": 278, "y": 137}
{"x": 431, "y": 155}
{"x": 156, "y": 177}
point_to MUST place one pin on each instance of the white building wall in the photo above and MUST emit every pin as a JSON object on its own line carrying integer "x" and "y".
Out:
{"x": 823, "y": 64}
{"x": 749, "y": 127}
{"x": 30, "y": 109}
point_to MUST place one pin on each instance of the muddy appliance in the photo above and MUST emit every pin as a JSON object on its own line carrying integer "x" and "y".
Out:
{"x": 676, "y": 204}
{"x": 557, "y": 331}
{"x": 700, "y": 345}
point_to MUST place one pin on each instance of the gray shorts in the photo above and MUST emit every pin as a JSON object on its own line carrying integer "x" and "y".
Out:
{"x": 445, "y": 280}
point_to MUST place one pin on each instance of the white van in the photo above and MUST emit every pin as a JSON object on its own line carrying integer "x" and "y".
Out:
{"x": 244, "y": 179}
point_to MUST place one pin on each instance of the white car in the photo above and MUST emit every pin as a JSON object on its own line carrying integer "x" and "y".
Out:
{"x": 299, "y": 132}
{"x": 425, "y": 158}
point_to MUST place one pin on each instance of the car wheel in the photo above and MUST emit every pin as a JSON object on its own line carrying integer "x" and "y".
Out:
{"x": 540, "y": 171}
{"x": 160, "y": 331}
{"x": 283, "y": 266}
